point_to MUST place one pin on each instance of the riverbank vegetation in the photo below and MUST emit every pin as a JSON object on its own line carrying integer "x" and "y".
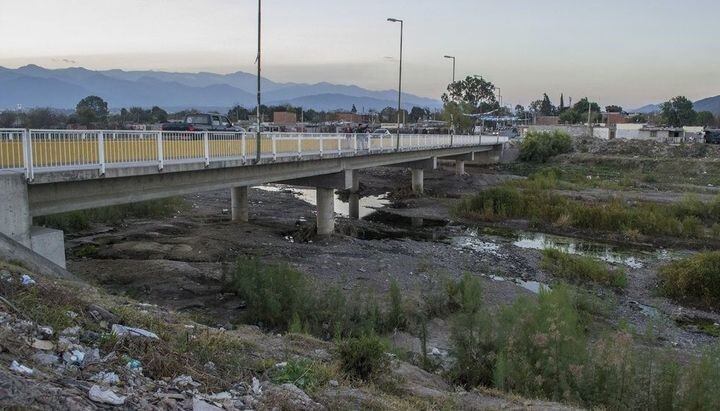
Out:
{"x": 695, "y": 279}
{"x": 84, "y": 219}
{"x": 582, "y": 269}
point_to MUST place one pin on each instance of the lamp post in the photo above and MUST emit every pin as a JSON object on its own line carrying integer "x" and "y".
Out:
{"x": 392, "y": 20}
{"x": 258, "y": 146}
{"x": 453, "y": 59}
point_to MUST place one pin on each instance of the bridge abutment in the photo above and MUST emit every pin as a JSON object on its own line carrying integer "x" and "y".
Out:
{"x": 239, "y": 204}
{"x": 460, "y": 167}
{"x": 16, "y": 220}
{"x": 325, "y": 210}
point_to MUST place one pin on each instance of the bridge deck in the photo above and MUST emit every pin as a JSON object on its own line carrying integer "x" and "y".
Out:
{"x": 42, "y": 153}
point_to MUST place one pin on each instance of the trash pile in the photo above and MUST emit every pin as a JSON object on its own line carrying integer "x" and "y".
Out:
{"x": 39, "y": 363}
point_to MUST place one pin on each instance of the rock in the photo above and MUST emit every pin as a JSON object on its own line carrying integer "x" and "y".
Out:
{"x": 209, "y": 366}
{"x": 183, "y": 381}
{"x": 89, "y": 337}
{"x": 122, "y": 331}
{"x": 333, "y": 383}
{"x": 74, "y": 357}
{"x": 46, "y": 331}
{"x": 200, "y": 405}
{"x": 290, "y": 397}
{"x": 43, "y": 345}
{"x": 97, "y": 394}
{"x": 100, "y": 313}
{"x": 21, "y": 369}
{"x": 220, "y": 396}
{"x": 46, "y": 359}
{"x": 71, "y": 314}
{"x": 70, "y": 332}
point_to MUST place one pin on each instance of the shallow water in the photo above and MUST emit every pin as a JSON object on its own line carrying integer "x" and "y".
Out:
{"x": 368, "y": 205}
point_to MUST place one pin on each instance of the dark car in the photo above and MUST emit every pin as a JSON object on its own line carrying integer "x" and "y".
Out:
{"x": 202, "y": 122}
{"x": 712, "y": 136}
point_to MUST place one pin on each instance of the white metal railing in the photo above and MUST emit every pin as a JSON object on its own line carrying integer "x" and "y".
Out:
{"x": 58, "y": 150}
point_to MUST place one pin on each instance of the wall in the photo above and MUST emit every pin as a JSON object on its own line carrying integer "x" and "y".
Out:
{"x": 628, "y": 131}
{"x": 573, "y": 131}
{"x": 601, "y": 132}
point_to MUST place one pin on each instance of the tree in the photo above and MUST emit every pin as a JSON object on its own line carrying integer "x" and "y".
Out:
{"x": 158, "y": 115}
{"x": 561, "y": 108}
{"x": 388, "y": 114}
{"x": 418, "y": 113}
{"x": 92, "y": 109}
{"x": 705, "y": 119}
{"x": 44, "y": 118}
{"x": 354, "y": 109}
{"x": 570, "y": 116}
{"x": 677, "y": 112}
{"x": 454, "y": 113}
{"x": 238, "y": 113}
{"x": 614, "y": 109}
{"x": 543, "y": 107}
{"x": 520, "y": 112}
{"x": 8, "y": 119}
{"x": 472, "y": 91}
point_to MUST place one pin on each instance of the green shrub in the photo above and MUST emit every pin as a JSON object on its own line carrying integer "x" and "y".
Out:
{"x": 693, "y": 279}
{"x": 274, "y": 293}
{"x": 494, "y": 203}
{"x": 363, "y": 357}
{"x": 581, "y": 269}
{"x": 541, "y": 146}
{"x": 396, "y": 317}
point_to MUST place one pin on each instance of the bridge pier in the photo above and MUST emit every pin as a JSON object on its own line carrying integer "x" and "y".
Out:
{"x": 239, "y": 204}
{"x": 460, "y": 167}
{"x": 354, "y": 198}
{"x": 325, "y": 210}
{"x": 418, "y": 180}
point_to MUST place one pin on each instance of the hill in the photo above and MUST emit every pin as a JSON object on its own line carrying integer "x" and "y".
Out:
{"x": 35, "y": 86}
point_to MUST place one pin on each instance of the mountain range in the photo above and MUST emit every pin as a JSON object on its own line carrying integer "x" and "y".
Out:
{"x": 35, "y": 86}
{"x": 711, "y": 104}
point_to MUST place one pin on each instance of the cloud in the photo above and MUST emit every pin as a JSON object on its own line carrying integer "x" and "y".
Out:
{"x": 64, "y": 60}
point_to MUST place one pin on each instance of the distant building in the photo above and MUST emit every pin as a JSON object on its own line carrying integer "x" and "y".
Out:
{"x": 664, "y": 134}
{"x": 612, "y": 119}
{"x": 349, "y": 117}
{"x": 284, "y": 118}
{"x": 547, "y": 120}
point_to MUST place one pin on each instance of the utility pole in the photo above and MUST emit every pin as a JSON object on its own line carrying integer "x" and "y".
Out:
{"x": 258, "y": 146}
{"x": 590, "y": 133}
{"x": 392, "y": 20}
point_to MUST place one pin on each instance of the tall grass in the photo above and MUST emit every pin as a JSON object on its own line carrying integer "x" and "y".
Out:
{"x": 83, "y": 219}
{"x": 540, "y": 349}
{"x": 577, "y": 268}
{"x": 690, "y": 218}
{"x": 695, "y": 279}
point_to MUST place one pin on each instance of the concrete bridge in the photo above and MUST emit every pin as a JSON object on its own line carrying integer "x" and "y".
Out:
{"x": 45, "y": 172}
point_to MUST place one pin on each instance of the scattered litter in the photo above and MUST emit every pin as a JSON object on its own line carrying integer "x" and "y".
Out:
{"x": 47, "y": 330}
{"x": 27, "y": 280}
{"x": 257, "y": 390}
{"x": 134, "y": 364}
{"x": 74, "y": 357}
{"x": 43, "y": 345}
{"x": 333, "y": 383}
{"x": 21, "y": 369}
{"x": 97, "y": 394}
{"x": 71, "y": 314}
{"x": 109, "y": 378}
{"x": 210, "y": 366}
{"x": 121, "y": 331}
{"x": 281, "y": 365}
{"x": 435, "y": 351}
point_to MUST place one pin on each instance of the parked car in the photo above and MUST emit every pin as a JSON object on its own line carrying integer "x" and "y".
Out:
{"x": 381, "y": 132}
{"x": 202, "y": 122}
{"x": 712, "y": 136}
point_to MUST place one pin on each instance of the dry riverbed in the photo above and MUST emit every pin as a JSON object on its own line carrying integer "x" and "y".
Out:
{"x": 183, "y": 262}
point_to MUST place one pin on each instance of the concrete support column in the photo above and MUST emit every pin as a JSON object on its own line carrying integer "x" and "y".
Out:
{"x": 418, "y": 175}
{"x": 354, "y": 198}
{"x": 239, "y": 204}
{"x": 15, "y": 219}
{"x": 325, "y": 211}
{"x": 460, "y": 167}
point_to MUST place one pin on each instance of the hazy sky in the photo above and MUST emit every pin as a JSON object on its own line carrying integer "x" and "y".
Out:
{"x": 629, "y": 52}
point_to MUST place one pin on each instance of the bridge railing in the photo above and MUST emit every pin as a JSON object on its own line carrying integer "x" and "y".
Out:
{"x": 58, "y": 150}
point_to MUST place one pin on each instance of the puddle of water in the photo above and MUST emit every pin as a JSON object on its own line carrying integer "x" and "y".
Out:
{"x": 368, "y": 205}
{"x": 532, "y": 286}
{"x": 646, "y": 310}
{"x": 474, "y": 243}
{"x": 699, "y": 325}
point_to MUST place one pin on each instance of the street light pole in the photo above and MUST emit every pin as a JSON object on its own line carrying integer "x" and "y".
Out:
{"x": 397, "y": 147}
{"x": 258, "y": 146}
{"x": 453, "y": 59}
